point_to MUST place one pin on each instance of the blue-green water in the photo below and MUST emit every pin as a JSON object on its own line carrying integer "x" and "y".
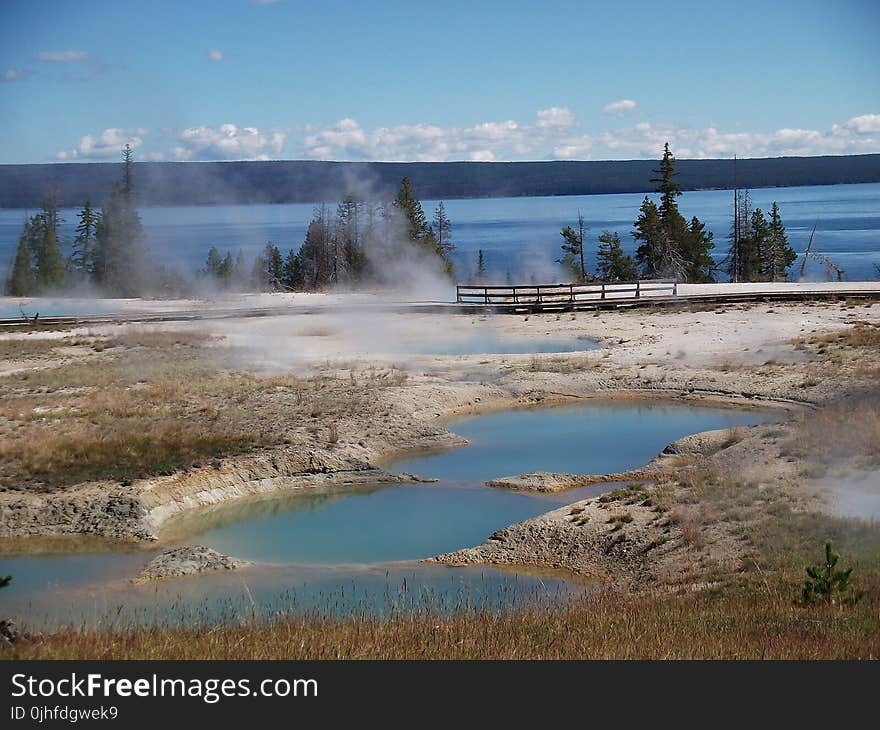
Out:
{"x": 347, "y": 550}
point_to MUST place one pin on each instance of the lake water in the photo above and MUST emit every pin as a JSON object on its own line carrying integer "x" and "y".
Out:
{"x": 518, "y": 235}
{"x": 352, "y": 551}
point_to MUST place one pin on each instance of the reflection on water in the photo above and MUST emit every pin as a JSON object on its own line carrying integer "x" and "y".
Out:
{"x": 487, "y": 343}
{"x": 265, "y": 592}
{"x": 340, "y": 551}
{"x": 596, "y": 438}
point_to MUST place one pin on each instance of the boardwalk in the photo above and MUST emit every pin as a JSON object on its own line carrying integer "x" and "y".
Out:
{"x": 526, "y": 299}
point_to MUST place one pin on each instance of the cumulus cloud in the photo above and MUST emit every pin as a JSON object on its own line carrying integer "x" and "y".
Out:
{"x": 487, "y": 141}
{"x": 556, "y": 116}
{"x": 620, "y": 107}
{"x": 215, "y": 55}
{"x": 865, "y": 124}
{"x": 553, "y": 134}
{"x": 108, "y": 144}
{"x": 228, "y": 142}
{"x": 64, "y": 56}
{"x": 645, "y": 139}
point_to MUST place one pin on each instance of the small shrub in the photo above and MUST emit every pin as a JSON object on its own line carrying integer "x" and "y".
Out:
{"x": 826, "y": 584}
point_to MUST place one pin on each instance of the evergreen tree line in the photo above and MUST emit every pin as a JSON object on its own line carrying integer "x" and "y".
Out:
{"x": 671, "y": 247}
{"x": 348, "y": 246}
{"x": 108, "y": 251}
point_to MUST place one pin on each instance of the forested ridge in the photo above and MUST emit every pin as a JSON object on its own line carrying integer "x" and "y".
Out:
{"x": 303, "y": 181}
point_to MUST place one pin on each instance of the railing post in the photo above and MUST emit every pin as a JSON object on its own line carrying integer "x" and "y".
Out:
{"x": 675, "y": 288}
{"x": 602, "y": 296}
{"x": 538, "y": 296}
{"x": 638, "y": 291}
{"x": 486, "y": 294}
{"x": 458, "y": 294}
{"x": 571, "y": 293}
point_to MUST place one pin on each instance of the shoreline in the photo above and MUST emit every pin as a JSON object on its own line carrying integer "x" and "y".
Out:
{"x": 762, "y": 368}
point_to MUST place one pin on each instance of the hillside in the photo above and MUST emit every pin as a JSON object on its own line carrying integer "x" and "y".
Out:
{"x": 296, "y": 181}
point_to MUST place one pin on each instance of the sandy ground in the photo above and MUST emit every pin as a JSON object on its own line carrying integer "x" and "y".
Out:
{"x": 739, "y": 355}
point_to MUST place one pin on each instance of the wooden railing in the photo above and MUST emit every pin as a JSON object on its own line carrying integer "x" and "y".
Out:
{"x": 539, "y": 295}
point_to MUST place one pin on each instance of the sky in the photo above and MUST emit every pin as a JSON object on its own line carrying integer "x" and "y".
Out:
{"x": 418, "y": 81}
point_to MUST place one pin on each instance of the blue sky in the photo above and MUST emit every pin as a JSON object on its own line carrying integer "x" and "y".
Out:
{"x": 244, "y": 79}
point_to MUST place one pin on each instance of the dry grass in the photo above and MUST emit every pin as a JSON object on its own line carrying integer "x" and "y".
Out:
{"x": 151, "y": 402}
{"x": 849, "y": 430}
{"x": 559, "y": 364}
{"x": 760, "y": 621}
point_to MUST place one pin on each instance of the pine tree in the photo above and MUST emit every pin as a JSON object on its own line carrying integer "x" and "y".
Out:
{"x": 680, "y": 251}
{"x": 740, "y": 258}
{"x": 573, "y": 249}
{"x": 293, "y": 277}
{"x": 21, "y": 282}
{"x": 417, "y": 229}
{"x": 695, "y": 251}
{"x": 213, "y": 263}
{"x": 120, "y": 261}
{"x": 612, "y": 263}
{"x": 274, "y": 265}
{"x": 82, "y": 258}
{"x": 443, "y": 230}
{"x": 757, "y": 246}
{"x": 668, "y": 188}
{"x": 50, "y": 265}
{"x": 315, "y": 253}
{"x": 779, "y": 254}
{"x": 407, "y": 203}
{"x": 481, "y": 267}
{"x": 225, "y": 269}
{"x": 648, "y": 229}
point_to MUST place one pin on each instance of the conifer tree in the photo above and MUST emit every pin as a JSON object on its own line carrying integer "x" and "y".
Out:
{"x": 779, "y": 254}
{"x": 573, "y": 249}
{"x": 443, "y": 230}
{"x": 678, "y": 250}
{"x": 82, "y": 258}
{"x": 481, "y": 267}
{"x": 416, "y": 224}
{"x": 274, "y": 264}
{"x": 225, "y": 269}
{"x": 120, "y": 261}
{"x": 50, "y": 265}
{"x": 612, "y": 263}
{"x": 697, "y": 244}
{"x": 213, "y": 263}
{"x": 293, "y": 277}
{"x": 21, "y": 282}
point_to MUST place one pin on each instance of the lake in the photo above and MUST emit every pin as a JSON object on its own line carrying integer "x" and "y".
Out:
{"x": 353, "y": 550}
{"x": 519, "y": 236}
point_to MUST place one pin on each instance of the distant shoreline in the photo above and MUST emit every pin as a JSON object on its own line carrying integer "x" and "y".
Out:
{"x": 309, "y": 182}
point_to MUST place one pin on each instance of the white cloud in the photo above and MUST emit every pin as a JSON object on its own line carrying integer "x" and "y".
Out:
{"x": 14, "y": 74}
{"x": 228, "y": 142}
{"x": 865, "y": 124}
{"x": 556, "y": 116}
{"x": 620, "y": 107}
{"x": 553, "y": 135}
{"x": 646, "y": 139}
{"x": 215, "y": 55}
{"x": 64, "y": 56}
{"x": 108, "y": 144}
{"x": 573, "y": 148}
{"x": 347, "y": 140}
